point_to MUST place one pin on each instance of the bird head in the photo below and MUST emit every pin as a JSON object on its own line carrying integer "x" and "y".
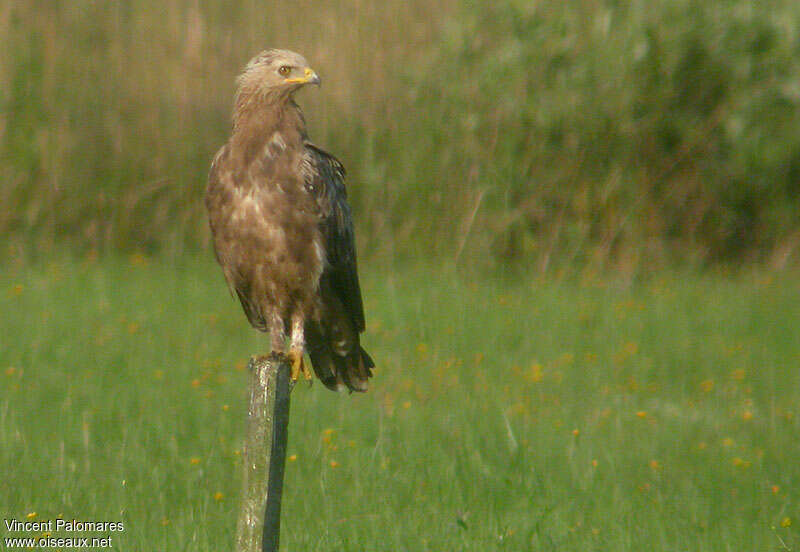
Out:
{"x": 276, "y": 72}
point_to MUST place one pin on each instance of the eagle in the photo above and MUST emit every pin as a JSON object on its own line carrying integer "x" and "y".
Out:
{"x": 282, "y": 228}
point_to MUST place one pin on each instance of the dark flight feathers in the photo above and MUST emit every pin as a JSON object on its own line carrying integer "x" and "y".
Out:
{"x": 341, "y": 293}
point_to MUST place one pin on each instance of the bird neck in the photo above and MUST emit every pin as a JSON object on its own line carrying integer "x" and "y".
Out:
{"x": 257, "y": 118}
{"x": 258, "y": 107}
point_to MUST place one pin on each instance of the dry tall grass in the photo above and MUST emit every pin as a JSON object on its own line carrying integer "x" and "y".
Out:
{"x": 113, "y": 110}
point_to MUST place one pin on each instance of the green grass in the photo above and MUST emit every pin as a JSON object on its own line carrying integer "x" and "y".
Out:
{"x": 526, "y": 415}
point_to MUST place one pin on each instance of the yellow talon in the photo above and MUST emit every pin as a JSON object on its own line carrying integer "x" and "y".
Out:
{"x": 298, "y": 366}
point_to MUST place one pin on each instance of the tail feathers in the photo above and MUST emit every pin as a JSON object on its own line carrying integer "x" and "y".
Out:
{"x": 344, "y": 371}
{"x": 354, "y": 369}
{"x": 368, "y": 364}
{"x": 339, "y": 366}
{"x": 338, "y": 372}
{"x": 325, "y": 370}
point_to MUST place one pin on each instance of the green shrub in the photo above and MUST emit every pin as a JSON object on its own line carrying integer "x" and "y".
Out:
{"x": 624, "y": 132}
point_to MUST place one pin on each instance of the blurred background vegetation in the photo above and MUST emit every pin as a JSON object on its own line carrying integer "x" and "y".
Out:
{"x": 579, "y": 136}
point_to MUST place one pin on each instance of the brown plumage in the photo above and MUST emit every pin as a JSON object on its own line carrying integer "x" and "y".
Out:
{"x": 282, "y": 228}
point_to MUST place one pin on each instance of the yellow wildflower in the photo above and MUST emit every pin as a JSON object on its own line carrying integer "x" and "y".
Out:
{"x": 565, "y": 358}
{"x": 292, "y": 458}
{"x": 218, "y": 496}
{"x": 786, "y": 522}
{"x": 137, "y": 259}
{"x": 707, "y": 385}
{"x": 739, "y": 463}
{"x": 194, "y": 461}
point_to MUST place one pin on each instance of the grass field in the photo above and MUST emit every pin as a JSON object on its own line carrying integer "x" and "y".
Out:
{"x": 524, "y": 415}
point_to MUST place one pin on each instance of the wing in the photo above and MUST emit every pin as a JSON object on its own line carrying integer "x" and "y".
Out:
{"x": 326, "y": 183}
{"x": 219, "y": 200}
{"x": 333, "y": 342}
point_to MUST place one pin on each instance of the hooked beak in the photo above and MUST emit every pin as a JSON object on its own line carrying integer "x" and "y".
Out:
{"x": 309, "y": 77}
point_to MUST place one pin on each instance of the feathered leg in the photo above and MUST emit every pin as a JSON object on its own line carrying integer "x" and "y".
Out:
{"x": 297, "y": 349}
{"x": 277, "y": 336}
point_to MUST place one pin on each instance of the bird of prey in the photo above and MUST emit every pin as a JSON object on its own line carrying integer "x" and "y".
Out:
{"x": 282, "y": 229}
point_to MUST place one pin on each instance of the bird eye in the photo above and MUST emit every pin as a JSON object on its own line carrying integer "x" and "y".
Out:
{"x": 284, "y": 70}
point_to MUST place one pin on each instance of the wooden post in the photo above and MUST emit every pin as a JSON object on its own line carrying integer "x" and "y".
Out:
{"x": 264, "y": 455}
